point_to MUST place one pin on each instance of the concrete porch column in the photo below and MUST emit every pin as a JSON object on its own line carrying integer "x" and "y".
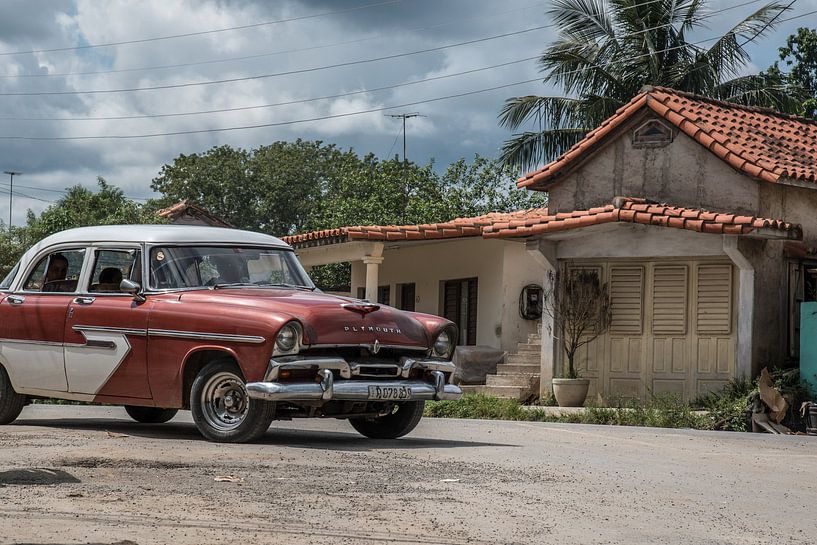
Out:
{"x": 544, "y": 253}
{"x": 746, "y": 306}
{"x": 372, "y": 273}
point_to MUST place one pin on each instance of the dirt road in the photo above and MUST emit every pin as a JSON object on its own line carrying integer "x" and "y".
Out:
{"x": 90, "y": 475}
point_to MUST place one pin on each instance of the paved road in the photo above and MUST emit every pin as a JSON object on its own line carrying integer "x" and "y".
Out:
{"x": 89, "y": 475}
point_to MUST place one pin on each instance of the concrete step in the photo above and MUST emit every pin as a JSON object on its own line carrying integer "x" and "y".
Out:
{"x": 504, "y": 392}
{"x": 524, "y": 359}
{"x": 534, "y": 338}
{"x": 515, "y": 369}
{"x": 529, "y": 382}
{"x": 528, "y": 347}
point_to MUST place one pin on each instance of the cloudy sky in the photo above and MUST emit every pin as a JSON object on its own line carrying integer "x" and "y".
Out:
{"x": 45, "y": 59}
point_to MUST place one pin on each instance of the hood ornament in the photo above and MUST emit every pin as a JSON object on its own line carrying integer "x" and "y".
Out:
{"x": 361, "y": 308}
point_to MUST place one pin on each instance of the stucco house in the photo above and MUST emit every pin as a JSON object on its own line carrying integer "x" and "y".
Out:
{"x": 698, "y": 297}
{"x": 699, "y": 215}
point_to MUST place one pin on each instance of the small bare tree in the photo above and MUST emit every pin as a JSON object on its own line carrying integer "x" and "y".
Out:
{"x": 579, "y": 304}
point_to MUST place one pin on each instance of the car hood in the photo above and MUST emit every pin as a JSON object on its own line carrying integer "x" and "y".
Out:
{"x": 325, "y": 319}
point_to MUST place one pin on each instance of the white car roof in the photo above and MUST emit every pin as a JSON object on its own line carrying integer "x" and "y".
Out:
{"x": 160, "y": 234}
{"x": 151, "y": 234}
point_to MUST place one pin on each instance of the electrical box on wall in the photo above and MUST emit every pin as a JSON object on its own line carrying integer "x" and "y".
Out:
{"x": 530, "y": 302}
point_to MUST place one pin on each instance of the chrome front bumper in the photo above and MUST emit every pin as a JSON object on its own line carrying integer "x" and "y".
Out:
{"x": 347, "y": 388}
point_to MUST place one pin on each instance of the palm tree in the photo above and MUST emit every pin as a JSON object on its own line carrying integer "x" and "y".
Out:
{"x": 607, "y": 50}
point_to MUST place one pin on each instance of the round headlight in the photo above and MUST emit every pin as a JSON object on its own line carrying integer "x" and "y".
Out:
{"x": 287, "y": 338}
{"x": 442, "y": 346}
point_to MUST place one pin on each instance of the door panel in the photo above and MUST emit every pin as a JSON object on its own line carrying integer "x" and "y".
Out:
{"x": 31, "y": 337}
{"x": 672, "y": 329}
{"x": 106, "y": 347}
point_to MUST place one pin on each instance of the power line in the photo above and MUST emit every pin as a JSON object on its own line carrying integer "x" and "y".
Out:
{"x": 311, "y": 48}
{"x": 61, "y": 191}
{"x": 280, "y": 52}
{"x": 336, "y": 65}
{"x": 347, "y": 114}
{"x": 263, "y": 125}
{"x": 277, "y": 74}
{"x": 275, "y": 104}
{"x": 202, "y": 32}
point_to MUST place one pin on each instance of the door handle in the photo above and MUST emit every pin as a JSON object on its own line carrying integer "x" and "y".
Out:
{"x": 16, "y": 299}
{"x": 84, "y": 300}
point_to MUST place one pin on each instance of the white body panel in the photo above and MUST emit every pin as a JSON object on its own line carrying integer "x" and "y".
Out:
{"x": 88, "y": 367}
{"x": 34, "y": 365}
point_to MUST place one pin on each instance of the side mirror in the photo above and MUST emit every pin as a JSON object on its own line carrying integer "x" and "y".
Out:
{"x": 129, "y": 286}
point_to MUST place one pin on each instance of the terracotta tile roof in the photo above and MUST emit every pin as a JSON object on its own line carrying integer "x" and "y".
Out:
{"x": 456, "y": 228}
{"x": 640, "y": 211}
{"x": 183, "y": 208}
{"x": 535, "y": 221}
{"x": 761, "y": 143}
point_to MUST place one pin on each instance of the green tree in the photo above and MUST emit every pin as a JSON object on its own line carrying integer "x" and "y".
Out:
{"x": 80, "y": 207}
{"x": 800, "y": 59}
{"x": 607, "y": 50}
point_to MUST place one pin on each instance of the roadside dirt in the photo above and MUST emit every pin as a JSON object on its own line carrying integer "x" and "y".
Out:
{"x": 87, "y": 475}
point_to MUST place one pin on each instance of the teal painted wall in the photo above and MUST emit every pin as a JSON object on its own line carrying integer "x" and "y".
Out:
{"x": 808, "y": 343}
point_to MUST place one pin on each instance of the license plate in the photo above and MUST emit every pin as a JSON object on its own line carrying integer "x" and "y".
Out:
{"x": 390, "y": 392}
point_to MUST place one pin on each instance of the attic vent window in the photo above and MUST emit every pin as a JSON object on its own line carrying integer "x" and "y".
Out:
{"x": 652, "y": 134}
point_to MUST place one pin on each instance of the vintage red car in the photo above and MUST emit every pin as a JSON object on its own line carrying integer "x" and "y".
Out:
{"x": 223, "y": 322}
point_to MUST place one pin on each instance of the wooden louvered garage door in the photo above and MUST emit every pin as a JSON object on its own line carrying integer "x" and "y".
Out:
{"x": 672, "y": 329}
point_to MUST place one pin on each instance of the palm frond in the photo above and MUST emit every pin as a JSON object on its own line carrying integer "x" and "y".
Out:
{"x": 582, "y": 19}
{"x": 728, "y": 55}
{"x": 528, "y": 150}
{"x": 764, "y": 90}
{"x": 550, "y": 110}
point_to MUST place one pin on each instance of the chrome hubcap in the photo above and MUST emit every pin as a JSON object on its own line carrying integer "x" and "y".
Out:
{"x": 224, "y": 401}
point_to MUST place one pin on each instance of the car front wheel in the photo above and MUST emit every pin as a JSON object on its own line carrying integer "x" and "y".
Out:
{"x": 222, "y": 410}
{"x": 403, "y": 418}
{"x": 150, "y": 415}
{"x": 11, "y": 403}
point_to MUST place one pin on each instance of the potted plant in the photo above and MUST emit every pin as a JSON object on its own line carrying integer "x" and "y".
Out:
{"x": 579, "y": 304}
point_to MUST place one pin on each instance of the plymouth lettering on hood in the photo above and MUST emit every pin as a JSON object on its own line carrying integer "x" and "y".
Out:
{"x": 372, "y": 329}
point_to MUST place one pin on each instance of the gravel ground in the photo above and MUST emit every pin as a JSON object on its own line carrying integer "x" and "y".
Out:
{"x": 89, "y": 475}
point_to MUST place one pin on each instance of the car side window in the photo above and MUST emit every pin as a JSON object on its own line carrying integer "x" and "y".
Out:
{"x": 111, "y": 267}
{"x": 6, "y": 283}
{"x": 57, "y": 272}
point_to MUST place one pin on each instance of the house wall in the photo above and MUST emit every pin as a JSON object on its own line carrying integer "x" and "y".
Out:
{"x": 682, "y": 173}
{"x": 502, "y": 267}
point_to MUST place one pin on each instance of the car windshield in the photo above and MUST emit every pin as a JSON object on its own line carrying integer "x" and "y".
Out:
{"x": 176, "y": 267}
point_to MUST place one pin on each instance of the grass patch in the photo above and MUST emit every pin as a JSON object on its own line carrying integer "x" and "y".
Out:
{"x": 659, "y": 412}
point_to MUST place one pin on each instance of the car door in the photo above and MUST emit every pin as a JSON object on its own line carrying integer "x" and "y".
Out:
{"x": 106, "y": 330}
{"x": 32, "y": 322}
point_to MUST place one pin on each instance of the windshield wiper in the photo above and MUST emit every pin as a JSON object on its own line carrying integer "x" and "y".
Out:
{"x": 290, "y": 286}
{"x": 223, "y": 285}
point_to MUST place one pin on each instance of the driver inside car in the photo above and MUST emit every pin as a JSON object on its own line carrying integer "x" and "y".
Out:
{"x": 57, "y": 271}
{"x": 229, "y": 269}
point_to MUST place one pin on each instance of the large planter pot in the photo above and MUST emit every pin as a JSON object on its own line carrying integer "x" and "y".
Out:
{"x": 570, "y": 392}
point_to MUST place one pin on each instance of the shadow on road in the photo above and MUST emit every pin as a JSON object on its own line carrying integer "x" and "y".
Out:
{"x": 316, "y": 439}
{"x": 36, "y": 476}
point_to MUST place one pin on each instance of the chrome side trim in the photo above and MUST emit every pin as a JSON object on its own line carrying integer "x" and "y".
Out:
{"x": 103, "y": 329}
{"x": 225, "y": 337}
{"x": 26, "y": 341}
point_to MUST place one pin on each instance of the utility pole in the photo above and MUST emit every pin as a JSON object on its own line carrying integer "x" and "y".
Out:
{"x": 404, "y": 117}
{"x": 11, "y": 174}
